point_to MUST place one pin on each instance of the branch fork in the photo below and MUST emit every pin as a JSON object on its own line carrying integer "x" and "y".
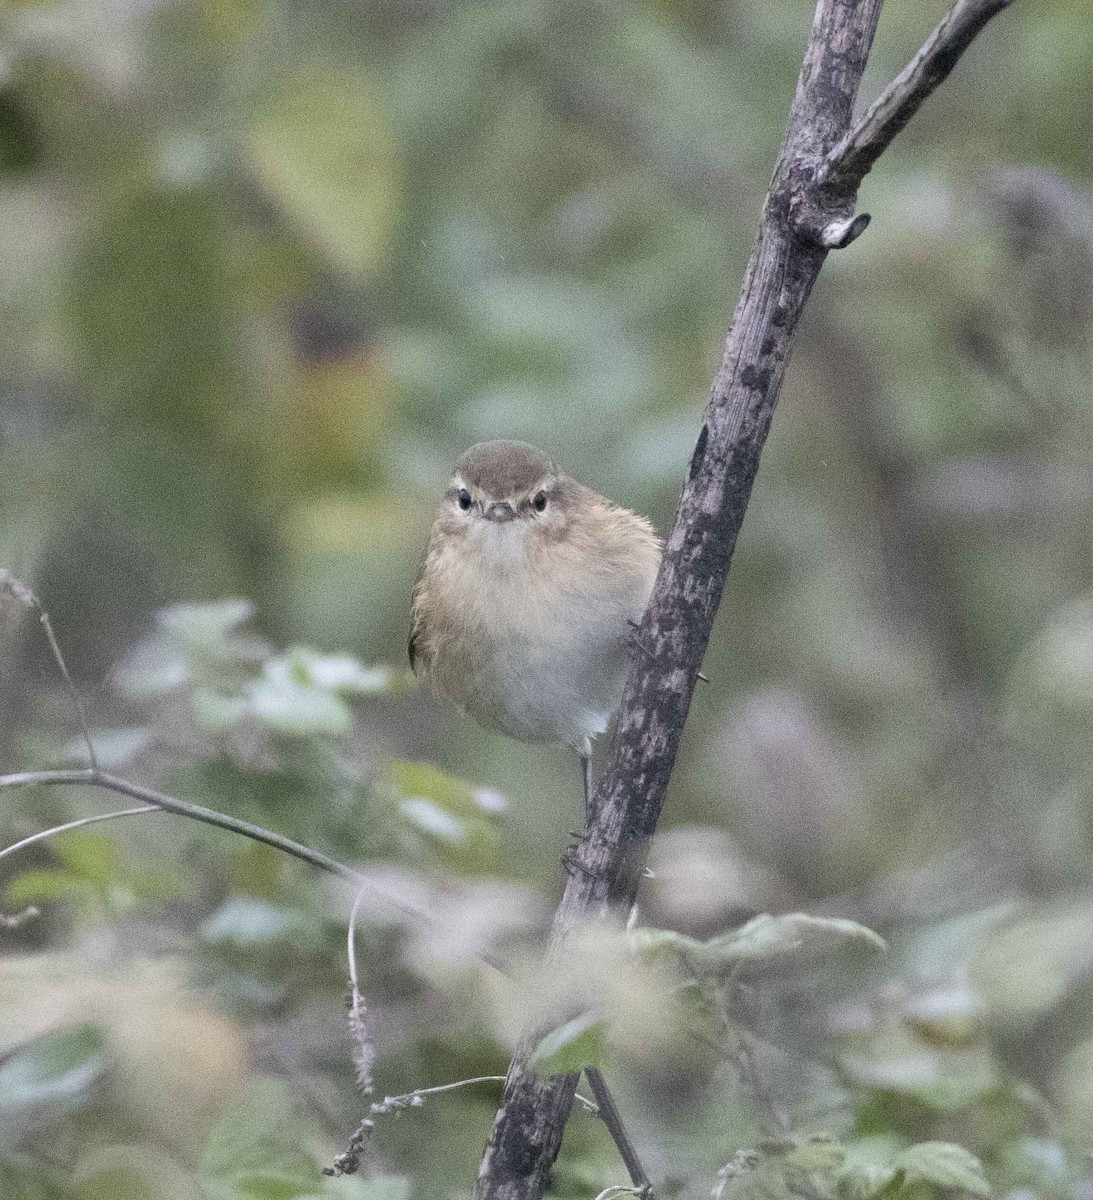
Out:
{"x": 809, "y": 210}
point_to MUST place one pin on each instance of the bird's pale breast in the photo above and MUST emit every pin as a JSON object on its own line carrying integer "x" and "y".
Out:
{"x": 534, "y": 645}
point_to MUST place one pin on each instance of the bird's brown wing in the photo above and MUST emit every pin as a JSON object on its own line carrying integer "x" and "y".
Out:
{"x": 417, "y": 642}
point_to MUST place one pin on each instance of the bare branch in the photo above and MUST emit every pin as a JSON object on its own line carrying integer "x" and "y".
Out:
{"x": 11, "y": 586}
{"x": 209, "y": 816}
{"x": 359, "y": 1019}
{"x": 48, "y": 833}
{"x": 803, "y": 218}
{"x": 851, "y": 159}
{"x": 612, "y": 1118}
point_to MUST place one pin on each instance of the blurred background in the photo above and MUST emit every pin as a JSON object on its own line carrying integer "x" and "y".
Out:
{"x": 266, "y": 269}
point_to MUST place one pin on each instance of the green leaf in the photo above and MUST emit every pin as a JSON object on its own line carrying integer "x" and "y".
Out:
{"x": 895, "y": 1059}
{"x": 579, "y": 1043}
{"x": 54, "y": 1069}
{"x": 90, "y": 856}
{"x": 869, "y": 1167}
{"x": 148, "y": 303}
{"x": 456, "y": 817}
{"x": 132, "y": 1173}
{"x": 946, "y": 1165}
{"x": 321, "y": 150}
{"x": 255, "y": 1152}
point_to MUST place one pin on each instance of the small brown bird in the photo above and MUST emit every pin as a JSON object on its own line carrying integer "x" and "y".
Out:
{"x": 524, "y": 609}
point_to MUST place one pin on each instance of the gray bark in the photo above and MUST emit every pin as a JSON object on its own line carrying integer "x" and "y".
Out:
{"x": 809, "y": 210}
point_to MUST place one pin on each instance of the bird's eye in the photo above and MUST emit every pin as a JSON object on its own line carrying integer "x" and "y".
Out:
{"x": 464, "y": 499}
{"x": 540, "y": 501}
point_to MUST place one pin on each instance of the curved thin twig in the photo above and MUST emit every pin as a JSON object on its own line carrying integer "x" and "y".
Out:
{"x": 48, "y": 833}
{"x": 94, "y": 776}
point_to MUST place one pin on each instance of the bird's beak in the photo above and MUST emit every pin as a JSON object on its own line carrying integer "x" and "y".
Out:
{"x": 500, "y": 510}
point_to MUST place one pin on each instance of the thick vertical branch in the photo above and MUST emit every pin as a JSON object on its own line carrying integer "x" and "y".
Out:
{"x": 808, "y": 210}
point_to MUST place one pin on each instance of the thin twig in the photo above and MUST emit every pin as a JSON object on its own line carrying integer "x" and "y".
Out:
{"x": 853, "y": 156}
{"x": 94, "y": 776}
{"x": 48, "y": 833}
{"x": 612, "y": 1118}
{"x": 26, "y": 596}
{"x": 349, "y": 1161}
{"x": 208, "y": 816}
{"x": 416, "y": 1098}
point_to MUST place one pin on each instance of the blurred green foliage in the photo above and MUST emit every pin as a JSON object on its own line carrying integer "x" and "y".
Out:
{"x": 265, "y": 270}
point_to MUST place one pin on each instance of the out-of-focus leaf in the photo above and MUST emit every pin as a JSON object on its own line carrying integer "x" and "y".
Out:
{"x": 339, "y": 673}
{"x": 132, "y": 1173}
{"x": 281, "y": 701}
{"x": 250, "y": 922}
{"x": 1035, "y": 1163}
{"x": 869, "y": 1165}
{"x": 579, "y": 1043}
{"x": 55, "y": 1069}
{"x": 148, "y": 312}
{"x": 350, "y": 1187}
{"x": 216, "y": 713}
{"x": 893, "y": 1059}
{"x": 88, "y": 855}
{"x": 1074, "y": 1088}
{"x": 321, "y": 149}
{"x": 193, "y": 645}
{"x": 1026, "y": 969}
{"x": 946, "y": 1165}
{"x": 456, "y": 817}
{"x": 42, "y": 887}
{"x": 809, "y": 1168}
{"x": 761, "y": 939}
{"x": 1054, "y": 679}
{"x": 93, "y": 867}
{"x": 254, "y": 1152}
{"x": 205, "y": 626}
{"x": 114, "y": 748}
{"x": 453, "y": 795}
{"x": 766, "y": 937}
{"x": 663, "y": 945}
{"x": 24, "y": 1178}
{"x": 433, "y": 820}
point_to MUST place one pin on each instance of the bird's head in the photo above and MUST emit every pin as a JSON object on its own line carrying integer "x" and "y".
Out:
{"x": 508, "y": 493}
